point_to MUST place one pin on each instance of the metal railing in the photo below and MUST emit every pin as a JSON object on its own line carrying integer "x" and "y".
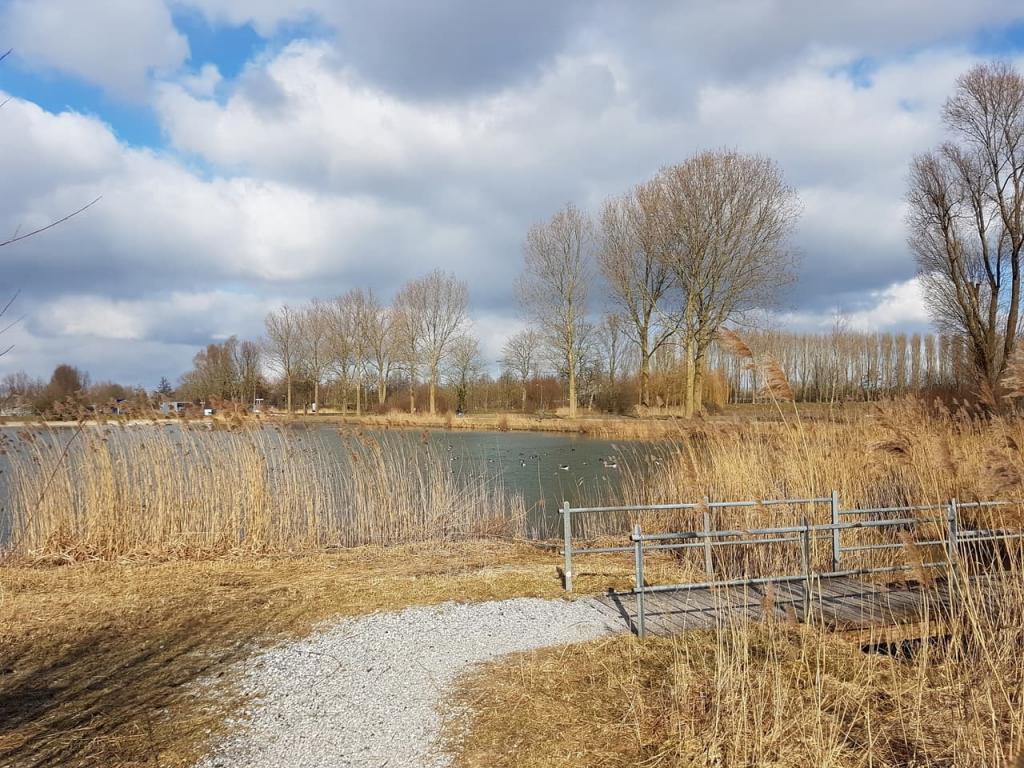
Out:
{"x": 952, "y": 540}
{"x": 568, "y": 512}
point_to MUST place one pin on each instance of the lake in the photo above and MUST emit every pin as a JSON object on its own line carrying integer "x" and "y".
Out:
{"x": 545, "y": 468}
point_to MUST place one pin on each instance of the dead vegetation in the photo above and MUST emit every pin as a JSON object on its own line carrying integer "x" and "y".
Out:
{"x": 759, "y": 694}
{"x": 130, "y": 664}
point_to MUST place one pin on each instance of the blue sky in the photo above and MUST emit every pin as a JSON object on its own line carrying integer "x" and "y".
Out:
{"x": 253, "y": 153}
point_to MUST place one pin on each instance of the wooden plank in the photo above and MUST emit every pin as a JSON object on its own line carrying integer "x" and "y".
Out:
{"x": 855, "y": 608}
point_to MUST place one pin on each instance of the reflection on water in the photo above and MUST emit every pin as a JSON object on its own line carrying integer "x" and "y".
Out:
{"x": 548, "y": 468}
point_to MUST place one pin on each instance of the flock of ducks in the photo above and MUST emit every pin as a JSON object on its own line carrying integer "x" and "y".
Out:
{"x": 608, "y": 462}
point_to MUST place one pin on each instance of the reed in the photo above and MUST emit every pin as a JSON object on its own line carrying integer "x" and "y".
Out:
{"x": 753, "y": 693}
{"x": 188, "y": 490}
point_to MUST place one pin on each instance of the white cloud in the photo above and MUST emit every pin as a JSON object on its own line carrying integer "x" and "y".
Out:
{"x": 202, "y": 84}
{"x": 900, "y": 305}
{"x": 116, "y": 44}
{"x": 306, "y": 176}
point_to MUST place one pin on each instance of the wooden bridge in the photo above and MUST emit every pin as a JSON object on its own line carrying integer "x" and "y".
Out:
{"x": 862, "y": 611}
{"x": 838, "y": 588}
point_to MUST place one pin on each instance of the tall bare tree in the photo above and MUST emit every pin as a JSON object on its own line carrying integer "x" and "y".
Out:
{"x": 521, "y": 359}
{"x": 966, "y": 218}
{"x": 554, "y": 287}
{"x": 315, "y": 327}
{"x": 464, "y": 366}
{"x": 247, "y": 365}
{"x": 282, "y": 344}
{"x": 378, "y": 323}
{"x": 731, "y": 215}
{"x": 407, "y": 342}
{"x": 434, "y": 310}
{"x": 352, "y": 313}
{"x": 634, "y": 240}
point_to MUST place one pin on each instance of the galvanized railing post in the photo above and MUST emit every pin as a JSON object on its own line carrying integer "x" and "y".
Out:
{"x": 567, "y": 545}
{"x": 837, "y": 544}
{"x": 709, "y": 563}
{"x": 638, "y": 588}
{"x": 805, "y": 557}
{"x": 953, "y": 532}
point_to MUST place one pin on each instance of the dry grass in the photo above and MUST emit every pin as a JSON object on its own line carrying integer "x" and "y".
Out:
{"x": 754, "y": 694}
{"x": 99, "y": 661}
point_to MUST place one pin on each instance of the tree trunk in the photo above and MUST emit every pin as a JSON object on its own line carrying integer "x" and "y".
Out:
{"x": 522, "y": 407}
{"x": 316, "y": 396}
{"x": 433, "y": 389}
{"x": 382, "y": 389}
{"x": 288, "y": 383}
{"x": 645, "y": 373}
{"x": 688, "y": 403}
{"x": 698, "y": 384}
{"x": 359, "y": 402}
{"x": 572, "y": 386}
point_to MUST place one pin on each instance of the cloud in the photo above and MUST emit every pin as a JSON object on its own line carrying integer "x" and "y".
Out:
{"x": 116, "y": 44}
{"x": 326, "y": 164}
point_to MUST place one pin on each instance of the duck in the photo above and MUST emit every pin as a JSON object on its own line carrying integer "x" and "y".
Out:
{"x": 563, "y": 467}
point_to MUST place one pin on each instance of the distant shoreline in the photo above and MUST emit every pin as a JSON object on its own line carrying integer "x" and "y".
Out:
{"x": 657, "y": 426}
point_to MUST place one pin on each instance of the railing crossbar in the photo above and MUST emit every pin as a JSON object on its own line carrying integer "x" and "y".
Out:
{"x": 738, "y": 582}
{"x": 787, "y": 529}
{"x": 805, "y": 534}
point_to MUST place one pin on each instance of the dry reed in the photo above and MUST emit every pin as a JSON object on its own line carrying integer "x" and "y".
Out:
{"x": 181, "y": 490}
{"x": 767, "y": 694}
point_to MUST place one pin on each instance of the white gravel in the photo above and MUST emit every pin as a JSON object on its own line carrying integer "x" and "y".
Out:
{"x": 370, "y": 691}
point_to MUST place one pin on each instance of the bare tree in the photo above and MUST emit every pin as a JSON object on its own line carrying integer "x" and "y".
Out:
{"x": 352, "y": 333}
{"x": 610, "y": 339}
{"x": 247, "y": 365}
{"x": 282, "y": 344}
{"x": 407, "y": 341}
{"x": 464, "y": 365}
{"x": 315, "y": 325}
{"x": 554, "y": 287}
{"x": 731, "y": 215}
{"x": 967, "y": 218}
{"x": 521, "y": 359}
{"x": 434, "y": 312}
{"x": 378, "y": 322}
{"x": 632, "y": 259}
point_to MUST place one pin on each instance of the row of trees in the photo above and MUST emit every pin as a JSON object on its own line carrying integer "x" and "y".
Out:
{"x": 358, "y": 343}
{"x": 68, "y": 391}
{"x": 702, "y": 243}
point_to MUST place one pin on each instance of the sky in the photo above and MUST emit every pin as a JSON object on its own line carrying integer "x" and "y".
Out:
{"x": 255, "y": 152}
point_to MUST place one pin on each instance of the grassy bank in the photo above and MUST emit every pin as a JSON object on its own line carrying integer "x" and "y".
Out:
{"x": 760, "y": 694}
{"x": 130, "y": 664}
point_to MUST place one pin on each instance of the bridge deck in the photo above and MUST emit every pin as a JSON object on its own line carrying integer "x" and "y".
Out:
{"x": 842, "y": 604}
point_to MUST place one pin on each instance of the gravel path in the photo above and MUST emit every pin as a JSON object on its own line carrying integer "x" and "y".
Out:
{"x": 368, "y": 691}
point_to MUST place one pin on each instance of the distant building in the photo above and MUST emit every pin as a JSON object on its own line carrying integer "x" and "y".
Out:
{"x": 174, "y": 406}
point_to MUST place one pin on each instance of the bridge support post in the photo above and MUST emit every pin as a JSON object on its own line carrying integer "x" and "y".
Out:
{"x": 567, "y": 546}
{"x": 837, "y": 544}
{"x": 638, "y": 588}
{"x": 805, "y": 560}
